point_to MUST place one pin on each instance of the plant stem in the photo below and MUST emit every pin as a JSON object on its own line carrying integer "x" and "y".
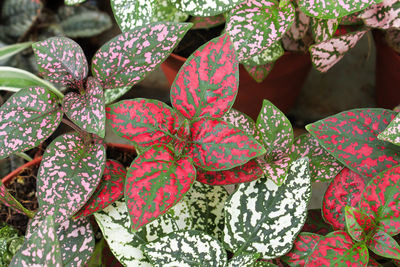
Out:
{"x": 72, "y": 125}
{"x": 24, "y": 156}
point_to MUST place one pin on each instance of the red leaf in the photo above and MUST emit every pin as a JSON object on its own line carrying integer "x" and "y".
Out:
{"x": 302, "y": 248}
{"x": 384, "y": 245}
{"x": 358, "y": 224}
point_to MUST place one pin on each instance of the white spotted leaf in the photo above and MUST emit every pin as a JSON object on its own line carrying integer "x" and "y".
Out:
{"x": 204, "y": 8}
{"x": 255, "y": 25}
{"x": 392, "y": 132}
{"x": 385, "y": 15}
{"x": 323, "y": 29}
{"x": 264, "y": 218}
{"x": 243, "y": 260}
{"x": 269, "y": 55}
{"x": 28, "y": 118}
{"x": 111, "y": 95}
{"x": 68, "y": 175}
{"x": 185, "y": 249}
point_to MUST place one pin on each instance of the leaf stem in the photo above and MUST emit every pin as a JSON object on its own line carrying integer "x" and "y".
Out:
{"x": 73, "y": 126}
{"x": 24, "y": 156}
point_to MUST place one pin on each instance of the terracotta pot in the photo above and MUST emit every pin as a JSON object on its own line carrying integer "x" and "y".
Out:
{"x": 387, "y": 73}
{"x": 282, "y": 86}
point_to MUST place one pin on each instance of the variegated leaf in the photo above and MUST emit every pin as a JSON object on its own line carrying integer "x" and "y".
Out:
{"x": 259, "y": 73}
{"x": 303, "y": 246}
{"x": 352, "y": 19}
{"x": 155, "y": 182}
{"x": 358, "y": 223}
{"x": 41, "y": 249}
{"x": 392, "y": 132}
{"x": 332, "y": 9}
{"x": 323, "y": 29}
{"x": 384, "y": 15}
{"x": 87, "y": 110}
{"x": 298, "y": 46}
{"x": 381, "y": 200}
{"x": 300, "y": 25}
{"x": 217, "y": 145}
{"x": 186, "y": 249}
{"x": 7, "y": 199}
{"x": 345, "y": 190}
{"x": 132, "y": 13}
{"x": 384, "y": 245}
{"x": 28, "y": 118}
{"x": 127, "y": 58}
{"x": 204, "y": 8}
{"x": 111, "y": 95}
{"x": 262, "y": 217}
{"x": 8, "y": 51}
{"x": 68, "y": 175}
{"x": 240, "y": 120}
{"x": 207, "y": 83}
{"x": 243, "y": 260}
{"x": 338, "y": 249}
{"x": 255, "y": 25}
{"x": 142, "y": 121}
{"x": 275, "y": 167}
{"x": 61, "y": 60}
{"x": 109, "y": 190}
{"x": 327, "y": 53}
{"x": 351, "y": 137}
{"x": 207, "y": 22}
{"x": 267, "y": 56}
{"x": 323, "y": 166}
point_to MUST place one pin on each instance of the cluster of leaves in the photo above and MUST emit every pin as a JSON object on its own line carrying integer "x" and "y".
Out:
{"x": 10, "y": 242}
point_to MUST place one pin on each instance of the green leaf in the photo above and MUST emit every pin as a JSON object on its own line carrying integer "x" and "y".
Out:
{"x": 186, "y": 248}
{"x": 10, "y": 50}
{"x": 264, "y": 218}
{"x": 269, "y": 55}
{"x": 204, "y": 8}
{"x": 110, "y": 95}
{"x": 323, "y": 29}
{"x": 392, "y": 132}
{"x": 358, "y": 223}
{"x": 7, "y": 199}
{"x": 28, "y": 118}
{"x": 384, "y": 245}
{"x": 73, "y": 2}
{"x": 243, "y": 260}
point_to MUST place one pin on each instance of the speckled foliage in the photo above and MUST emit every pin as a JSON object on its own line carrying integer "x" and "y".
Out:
{"x": 28, "y": 118}
{"x": 87, "y": 110}
{"x": 323, "y": 29}
{"x": 204, "y": 8}
{"x": 344, "y": 190}
{"x": 326, "y": 54}
{"x": 303, "y": 246}
{"x": 127, "y": 58}
{"x": 259, "y": 73}
{"x": 61, "y": 60}
{"x": 264, "y": 218}
{"x": 269, "y": 55}
{"x": 358, "y": 224}
{"x": 41, "y": 249}
{"x": 7, "y": 199}
{"x": 392, "y": 132}
{"x": 300, "y": 25}
{"x": 207, "y": 22}
{"x": 109, "y": 190}
{"x": 133, "y": 13}
{"x": 384, "y": 245}
{"x": 255, "y": 25}
{"x": 68, "y": 175}
{"x": 323, "y": 166}
{"x": 331, "y": 9}
{"x": 243, "y": 260}
{"x": 351, "y": 137}
{"x": 384, "y": 15}
{"x": 207, "y": 83}
{"x": 186, "y": 249}
{"x": 275, "y": 132}
{"x": 155, "y": 182}
{"x": 338, "y": 249}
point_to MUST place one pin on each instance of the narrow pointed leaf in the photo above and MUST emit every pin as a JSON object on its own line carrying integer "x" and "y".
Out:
{"x": 109, "y": 190}
{"x": 127, "y": 58}
{"x": 358, "y": 223}
{"x": 73, "y": 2}
{"x": 7, "y": 199}
{"x": 381, "y": 200}
{"x": 351, "y": 137}
{"x": 88, "y": 110}
{"x": 345, "y": 190}
{"x": 255, "y": 25}
{"x": 332, "y": 9}
{"x": 61, "y": 60}
{"x": 259, "y": 73}
{"x": 267, "y": 56}
{"x": 68, "y": 175}
{"x": 10, "y": 50}
{"x": 28, "y": 118}
{"x": 326, "y": 54}
{"x": 384, "y": 15}
{"x": 207, "y": 83}
{"x": 155, "y": 182}
{"x": 392, "y": 132}
{"x": 204, "y": 8}
{"x": 217, "y": 145}
{"x": 186, "y": 248}
{"x": 384, "y": 245}
{"x": 142, "y": 121}
{"x": 323, "y": 29}
{"x": 264, "y": 218}
{"x": 303, "y": 246}
{"x": 243, "y": 260}
{"x": 338, "y": 249}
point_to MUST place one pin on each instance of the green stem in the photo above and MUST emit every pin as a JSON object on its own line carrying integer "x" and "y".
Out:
{"x": 55, "y": 90}
{"x": 24, "y": 156}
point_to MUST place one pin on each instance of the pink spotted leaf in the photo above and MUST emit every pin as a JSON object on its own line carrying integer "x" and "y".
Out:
{"x": 381, "y": 200}
{"x": 259, "y": 73}
{"x": 109, "y": 190}
{"x": 255, "y": 25}
{"x": 240, "y": 120}
{"x": 351, "y": 137}
{"x": 303, "y": 246}
{"x": 68, "y": 175}
{"x": 323, "y": 29}
{"x": 88, "y": 110}
{"x": 300, "y": 25}
{"x": 142, "y": 121}
{"x": 127, "y": 58}
{"x": 7, "y": 199}
{"x": 218, "y": 145}
{"x": 323, "y": 166}
{"x": 345, "y": 190}
{"x": 61, "y": 60}
{"x": 392, "y": 132}
{"x": 28, "y": 118}
{"x": 275, "y": 167}
{"x": 358, "y": 223}
{"x": 384, "y": 245}
{"x": 207, "y": 22}
{"x": 338, "y": 249}
{"x": 207, "y": 83}
{"x": 155, "y": 182}
{"x": 267, "y": 56}
{"x": 326, "y": 54}
{"x": 384, "y": 15}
